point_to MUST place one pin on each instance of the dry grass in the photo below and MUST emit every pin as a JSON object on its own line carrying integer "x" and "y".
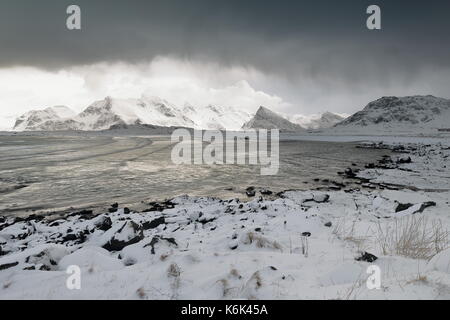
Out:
{"x": 174, "y": 271}
{"x": 164, "y": 257}
{"x": 226, "y": 290}
{"x": 346, "y": 232}
{"x": 260, "y": 241}
{"x": 412, "y": 237}
{"x": 258, "y": 280}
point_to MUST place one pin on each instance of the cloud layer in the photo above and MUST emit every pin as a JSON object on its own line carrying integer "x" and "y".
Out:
{"x": 299, "y": 56}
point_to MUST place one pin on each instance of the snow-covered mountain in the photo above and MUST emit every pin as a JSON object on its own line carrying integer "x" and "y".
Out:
{"x": 36, "y": 120}
{"x": 317, "y": 121}
{"x": 216, "y": 117}
{"x": 103, "y": 114}
{"x": 266, "y": 119}
{"x": 418, "y": 114}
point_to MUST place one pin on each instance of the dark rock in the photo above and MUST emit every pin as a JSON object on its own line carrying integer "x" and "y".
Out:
{"x": 126, "y": 210}
{"x": 3, "y": 253}
{"x": 426, "y": 205}
{"x": 403, "y": 206}
{"x": 112, "y": 210}
{"x": 266, "y": 192}
{"x": 367, "y": 257}
{"x": 328, "y": 224}
{"x": 104, "y": 223}
{"x": 273, "y": 268}
{"x": 250, "y": 193}
{"x": 134, "y": 233}
{"x": 230, "y": 210}
{"x": 34, "y": 217}
{"x": 81, "y": 213}
{"x": 306, "y": 234}
{"x": 157, "y": 239}
{"x": 349, "y": 173}
{"x": 204, "y": 219}
{"x": 404, "y": 160}
{"x": 154, "y": 223}
{"x": 160, "y": 206}
{"x": 70, "y": 237}
{"x": 18, "y": 219}
{"x": 8, "y": 265}
{"x": 30, "y": 268}
{"x": 115, "y": 206}
{"x": 258, "y": 229}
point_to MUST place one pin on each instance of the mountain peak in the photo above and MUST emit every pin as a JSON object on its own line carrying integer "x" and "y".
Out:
{"x": 33, "y": 120}
{"x": 407, "y": 114}
{"x": 267, "y": 119}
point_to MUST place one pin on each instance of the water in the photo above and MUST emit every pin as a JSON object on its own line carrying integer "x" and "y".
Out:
{"x": 43, "y": 173}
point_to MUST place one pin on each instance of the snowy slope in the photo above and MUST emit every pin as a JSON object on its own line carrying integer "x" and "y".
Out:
{"x": 41, "y": 119}
{"x": 416, "y": 114}
{"x": 266, "y": 119}
{"x": 216, "y": 117}
{"x": 103, "y": 114}
{"x": 317, "y": 121}
{"x": 296, "y": 245}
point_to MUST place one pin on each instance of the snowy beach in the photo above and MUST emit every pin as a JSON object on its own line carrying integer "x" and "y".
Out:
{"x": 313, "y": 244}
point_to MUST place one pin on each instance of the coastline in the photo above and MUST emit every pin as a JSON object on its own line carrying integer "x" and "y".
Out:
{"x": 209, "y": 248}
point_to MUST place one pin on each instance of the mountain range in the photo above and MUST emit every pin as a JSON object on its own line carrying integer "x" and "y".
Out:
{"x": 103, "y": 114}
{"x": 111, "y": 112}
{"x": 387, "y": 114}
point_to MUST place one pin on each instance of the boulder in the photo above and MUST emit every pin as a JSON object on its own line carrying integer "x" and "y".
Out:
{"x": 103, "y": 223}
{"x": 367, "y": 257}
{"x": 128, "y": 234}
{"x": 154, "y": 223}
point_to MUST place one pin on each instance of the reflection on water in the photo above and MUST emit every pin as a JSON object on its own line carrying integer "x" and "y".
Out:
{"x": 39, "y": 173}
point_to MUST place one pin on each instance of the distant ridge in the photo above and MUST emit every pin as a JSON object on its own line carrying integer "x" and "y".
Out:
{"x": 266, "y": 119}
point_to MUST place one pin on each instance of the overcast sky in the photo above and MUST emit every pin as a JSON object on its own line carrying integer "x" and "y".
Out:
{"x": 293, "y": 56}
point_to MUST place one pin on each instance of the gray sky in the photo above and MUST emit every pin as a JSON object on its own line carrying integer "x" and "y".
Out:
{"x": 313, "y": 55}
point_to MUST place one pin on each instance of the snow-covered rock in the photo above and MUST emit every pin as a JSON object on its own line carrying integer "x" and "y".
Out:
{"x": 317, "y": 121}
{"x": 90, "y": 259}
{"x": 216, "y": 117}
{"x": 37, "y": 120}
{"x": 147, "y": 110}
{"x": 266, "y": 119}
{"x": 418, "y": 114}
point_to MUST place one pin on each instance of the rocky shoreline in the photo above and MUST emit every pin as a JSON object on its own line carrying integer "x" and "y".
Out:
{"x": 203, "y": 247}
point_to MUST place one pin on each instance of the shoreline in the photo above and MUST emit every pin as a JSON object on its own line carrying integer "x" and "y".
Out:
{"x": 308, "y": 244}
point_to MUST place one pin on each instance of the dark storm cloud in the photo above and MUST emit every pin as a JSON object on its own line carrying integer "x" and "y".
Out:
{"x": 272, "y": 35}
{"x": 315, "y": 48}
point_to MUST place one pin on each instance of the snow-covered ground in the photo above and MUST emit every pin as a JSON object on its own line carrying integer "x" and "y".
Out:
{"x": 314, "y": 244}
